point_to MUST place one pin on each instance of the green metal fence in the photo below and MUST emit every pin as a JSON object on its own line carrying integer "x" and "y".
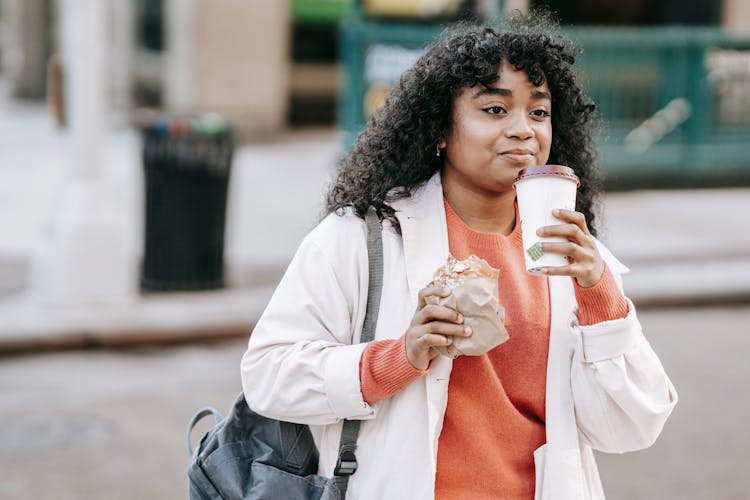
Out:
{"x": 674, "y": 102}
{"x": 319, "y": 11}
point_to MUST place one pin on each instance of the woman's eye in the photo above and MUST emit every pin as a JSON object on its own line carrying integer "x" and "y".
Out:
{"x": 494, "y": 110}
{"x": 540, "y": 113}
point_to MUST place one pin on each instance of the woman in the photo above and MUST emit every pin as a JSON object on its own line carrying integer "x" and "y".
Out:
{"x": 438, "y": 162}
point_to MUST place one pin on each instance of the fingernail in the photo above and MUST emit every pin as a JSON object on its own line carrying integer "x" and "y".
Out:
{"x": 460, "y": 318}
{"x": 556, "y": 211}
{"x": 467, "y": 329}
{"x": 540, "y": 232}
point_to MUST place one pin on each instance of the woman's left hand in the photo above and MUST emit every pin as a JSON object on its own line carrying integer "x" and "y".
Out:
{"x": 585, "y": 263}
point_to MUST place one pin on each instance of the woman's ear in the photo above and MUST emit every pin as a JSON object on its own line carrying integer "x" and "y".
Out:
{"x": 441, "y": 144}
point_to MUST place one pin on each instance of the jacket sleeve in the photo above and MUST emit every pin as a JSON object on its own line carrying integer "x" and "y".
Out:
{"x": 621, "y": 393}
{"x": 300, "y": 365}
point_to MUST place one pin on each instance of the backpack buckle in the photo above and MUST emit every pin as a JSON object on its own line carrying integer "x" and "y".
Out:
{"x": 346, "y": 464}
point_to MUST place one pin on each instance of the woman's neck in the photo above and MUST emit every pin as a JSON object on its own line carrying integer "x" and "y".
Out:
{"x": 493, "y": 214}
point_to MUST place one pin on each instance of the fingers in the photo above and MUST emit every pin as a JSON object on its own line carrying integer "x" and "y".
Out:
{"x": 577, "y": 257}
{"x": 574, "y": 252}
{"x": 445, "y": 329}
{"x": 438, "y": 334}
{"x": 586, "y": 275}
{"x": 569, "y": 270}
{"x": 421, "y": 339}
{"x": 432, "y": 312}
{"x": 585, "y": 263}
{"x": 440, "y": 329}
{"x": 576, "y": 218}
{"x": 570, "y": 232}
{"x": 420, "y": 350}
{"x": 574, "y": 228}
{"x": 438, "y": 291}
{"x": 433, "y": 340}
{"x": 571, "y": 250}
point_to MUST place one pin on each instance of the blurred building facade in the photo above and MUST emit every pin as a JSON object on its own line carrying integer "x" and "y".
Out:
{"x": 264, "y": 65}
{"x": 269, "y": 65}
{"x": 225, "y": 56}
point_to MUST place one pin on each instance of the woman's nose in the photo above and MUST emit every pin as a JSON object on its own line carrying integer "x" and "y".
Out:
{"x": 518, "y": 126}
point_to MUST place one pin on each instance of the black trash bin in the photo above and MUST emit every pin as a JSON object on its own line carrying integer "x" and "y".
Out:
{"x": 187, "y": 163}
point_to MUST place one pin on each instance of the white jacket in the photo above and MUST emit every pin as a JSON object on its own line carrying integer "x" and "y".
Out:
{"x": 606, "y": 389}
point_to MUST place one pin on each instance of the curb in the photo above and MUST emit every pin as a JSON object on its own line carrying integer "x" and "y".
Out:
{"x": 230, "y": 314}
{"x": 164, "y": 319}
{"x": 695, "y": 282}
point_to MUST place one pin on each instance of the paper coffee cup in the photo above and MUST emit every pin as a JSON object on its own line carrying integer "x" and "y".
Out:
{"x": 539, "y": 190}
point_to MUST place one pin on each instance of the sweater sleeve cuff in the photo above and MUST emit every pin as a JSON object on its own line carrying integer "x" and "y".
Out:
{"x": 601, "y": 302}
{"x": 385, "y": 369}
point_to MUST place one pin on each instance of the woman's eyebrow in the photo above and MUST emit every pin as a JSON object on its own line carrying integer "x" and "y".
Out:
{"x": 540, "y": 94}
{"x": 493, "y": 91}
{"x": 535, "y": 94}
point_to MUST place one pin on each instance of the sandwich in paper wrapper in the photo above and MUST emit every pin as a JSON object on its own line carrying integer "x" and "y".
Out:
{"x": 473, "y": 283}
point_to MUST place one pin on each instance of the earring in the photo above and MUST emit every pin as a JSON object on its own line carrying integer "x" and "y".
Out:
{"x": 437, "y": 151}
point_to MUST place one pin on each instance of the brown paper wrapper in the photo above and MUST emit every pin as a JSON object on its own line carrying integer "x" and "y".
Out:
{"x": 474, "y": 286}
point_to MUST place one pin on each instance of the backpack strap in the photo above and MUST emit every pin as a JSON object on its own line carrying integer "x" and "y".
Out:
{"x": 197, "y": 418}
{"x": 347, "y": 461}
{"x": 375, "y": 283}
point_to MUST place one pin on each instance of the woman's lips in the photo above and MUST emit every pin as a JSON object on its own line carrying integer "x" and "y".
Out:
{"x": 517, "y": 156}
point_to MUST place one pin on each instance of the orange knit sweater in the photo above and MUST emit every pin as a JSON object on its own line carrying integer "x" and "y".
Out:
{"x": 495, "y": 415}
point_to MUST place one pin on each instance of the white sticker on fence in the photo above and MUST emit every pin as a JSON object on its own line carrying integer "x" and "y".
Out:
{"x": 384, "y": 64}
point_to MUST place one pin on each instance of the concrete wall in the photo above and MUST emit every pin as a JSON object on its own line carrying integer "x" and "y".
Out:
{"x": 120, "y": 52}
{"x": 25, "y": 46}
{"x": 736, "y": 14}
{"x": 230, "y": 57}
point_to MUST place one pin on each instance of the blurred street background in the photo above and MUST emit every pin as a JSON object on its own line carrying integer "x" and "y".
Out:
{"x": 160, "y": 161}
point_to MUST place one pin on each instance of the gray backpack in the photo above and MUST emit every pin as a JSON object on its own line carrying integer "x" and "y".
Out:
{"x": 248, "y": 456}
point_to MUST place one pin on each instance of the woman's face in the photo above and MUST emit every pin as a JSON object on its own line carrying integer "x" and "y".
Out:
{"x": 497, "y": 131}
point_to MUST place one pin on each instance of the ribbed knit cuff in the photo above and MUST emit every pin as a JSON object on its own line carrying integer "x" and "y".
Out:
{"x": 384, "y": 369}
{"x": 601, "y": 302}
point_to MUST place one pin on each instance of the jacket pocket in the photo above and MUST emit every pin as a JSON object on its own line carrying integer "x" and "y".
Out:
{"x": 559, "y": 474}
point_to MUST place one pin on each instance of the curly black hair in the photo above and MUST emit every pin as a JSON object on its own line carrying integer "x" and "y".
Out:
{"x": 395, "y": 153}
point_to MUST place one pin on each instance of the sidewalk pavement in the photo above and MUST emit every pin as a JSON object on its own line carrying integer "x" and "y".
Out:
{"x": 683, "y": 246}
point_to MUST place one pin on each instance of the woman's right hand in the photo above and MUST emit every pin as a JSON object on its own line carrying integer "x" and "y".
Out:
{"x": 432, "y": 326}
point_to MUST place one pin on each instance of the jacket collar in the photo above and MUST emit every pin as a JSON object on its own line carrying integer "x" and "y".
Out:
{"x": 424, "y": 231}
